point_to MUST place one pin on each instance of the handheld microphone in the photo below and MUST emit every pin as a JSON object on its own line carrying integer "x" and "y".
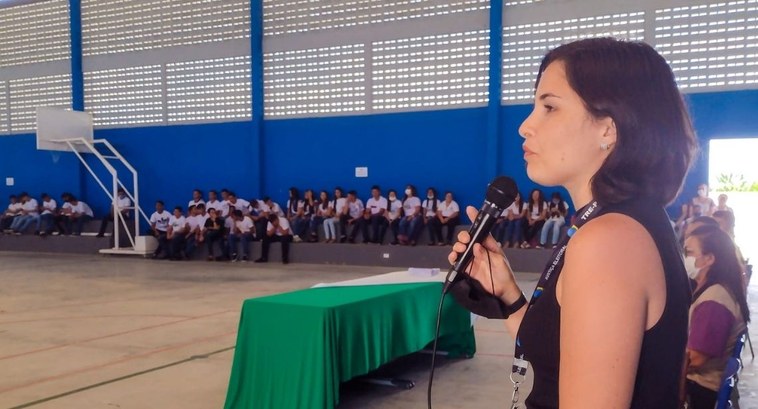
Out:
{"x": 501, "y": 193}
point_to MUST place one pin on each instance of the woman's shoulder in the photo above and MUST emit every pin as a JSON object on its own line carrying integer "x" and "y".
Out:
{"x": 715, "y": 292}
{"x": 614, "y": 238}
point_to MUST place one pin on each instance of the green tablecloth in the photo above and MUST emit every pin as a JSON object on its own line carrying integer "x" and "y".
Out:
{"x": 294, "y": 349}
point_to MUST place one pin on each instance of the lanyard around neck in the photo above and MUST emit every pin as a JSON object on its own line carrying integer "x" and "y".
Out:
{"x": 551, "y": 272}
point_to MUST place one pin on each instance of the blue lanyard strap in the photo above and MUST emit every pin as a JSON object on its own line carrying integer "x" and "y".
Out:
{"x": 552, "y": 270}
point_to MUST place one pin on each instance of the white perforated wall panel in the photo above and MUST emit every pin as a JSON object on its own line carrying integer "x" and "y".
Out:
{"x": 125, "y": 96}
{"x": 4, "y": 114}
{"x": 27, "y": 94}
{"x": 329, "y": 80}
{"x": 115, "y": 26}
{"x": 520, "y": 2}
{"x": 711, "y": 46}
{"x": 209, "y": 90}
{"x": 296, "y": 16}
{"x": 34, "y": 33}
{"x": 524, "y": 45}
{"x": 446, "y": 70}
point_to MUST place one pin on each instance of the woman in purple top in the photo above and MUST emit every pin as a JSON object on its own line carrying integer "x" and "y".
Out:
{"x": 718, "y": 315}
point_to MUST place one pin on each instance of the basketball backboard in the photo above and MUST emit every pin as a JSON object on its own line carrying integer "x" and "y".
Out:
{"x": 55, "y": 124}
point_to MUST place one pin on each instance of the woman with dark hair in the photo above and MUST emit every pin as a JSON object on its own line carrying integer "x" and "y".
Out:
{"x": 430, "y": 205}
{"x": 535, "y": 215}
{"x": 514, "y": 230}
{"x": 309, "y": 210}
{"x": 394, "y": 214}
{"x": 557, "y": 212}
{"x": 336, "y": 208}
{"x": 410, "y": 224}
{"x": 719, "y": 313}
{"x": 296, "y": 215}
{"x": 320, "y": 213}
{"x": 606, "y": 326}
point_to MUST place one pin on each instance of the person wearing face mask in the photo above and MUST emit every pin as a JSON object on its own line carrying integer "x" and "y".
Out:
{"x": 410, "y": 224}
{"x": 706, "y": 204}
{"x": 393, "y": 214}
{"x": 719, "y": 313}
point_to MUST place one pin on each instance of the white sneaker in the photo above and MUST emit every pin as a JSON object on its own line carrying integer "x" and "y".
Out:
{"x": 296, "y": 239}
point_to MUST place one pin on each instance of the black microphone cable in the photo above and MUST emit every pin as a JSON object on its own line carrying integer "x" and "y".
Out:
{"x": 445, "y": 289}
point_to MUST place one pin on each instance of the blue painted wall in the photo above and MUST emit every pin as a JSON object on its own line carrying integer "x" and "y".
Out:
{"x": 441, "y": 149}
{"x": 36, "y": 171}
{"x": 444, "y": 149}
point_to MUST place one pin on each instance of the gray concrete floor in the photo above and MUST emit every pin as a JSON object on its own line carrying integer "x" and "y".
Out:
{"x": 81, "y": 332}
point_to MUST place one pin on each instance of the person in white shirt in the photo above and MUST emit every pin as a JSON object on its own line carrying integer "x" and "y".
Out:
{"x": 29, "y": 214}
{"x": 61, "y": 217}
{"x": 514, "y": 230}
{"x": 296, "y": 215}
{"x": 557, "y": 212}
{"x": 242, "y": 234}
{"x": 196, "y": 228}
{"x": 236, "y": 203}
{"x": 197, "y": 198}
{"x": 320, "y": 213}
{"x": 429, "y": 208}
{"x": 213, "y": 202}
{"x": 47, "y": 217}
{"x": 10, "y": 214}
{"x": 277, "y": 230}
{"x": 159, "y": 224}
{"x": 376, "y": 209}
{"x": 535, "y": 215}
{"x": 393, "y": 214}
{"x": 123, "y": 205}
{"x": 225, "y": 207}
{"x": 410, "y": 224}
{"x": 176, "y": 233}
{"x": 80, "y": 213}
{"x": 448, "y": 215}
{"x": 229, "y": 225}
{"x": 273, "y": 207}
{"x": 336, "y": 207}
{"x": 352, "y": 215}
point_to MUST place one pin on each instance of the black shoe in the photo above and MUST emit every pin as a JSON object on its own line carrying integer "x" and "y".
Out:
{"x": 36, "y": 233}
{"x": 393, "y": 243}
{"x": 351, "y": 240}
{"x": 285, "y": 261}
{"x": 432, "y": 244}
{"x": 343, "y": 239}
{"x": 261, "y": 260}
{"x": 100, "y": 235}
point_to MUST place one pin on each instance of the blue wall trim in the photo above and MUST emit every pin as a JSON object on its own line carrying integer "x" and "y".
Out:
{"x": 495, "y": 74}
{"x": 256, "y": 136}
{"x": 77, "y": 72}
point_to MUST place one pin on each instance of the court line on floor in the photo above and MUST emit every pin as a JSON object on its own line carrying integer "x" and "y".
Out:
{"x": 115, "y": 362}
{"x": 81, "y": 317}
{"x": 84, "y": 341}
{"x": 121, "y": 378}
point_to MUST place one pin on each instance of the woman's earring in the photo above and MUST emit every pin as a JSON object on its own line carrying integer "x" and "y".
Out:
{"x": 604, "y": 146}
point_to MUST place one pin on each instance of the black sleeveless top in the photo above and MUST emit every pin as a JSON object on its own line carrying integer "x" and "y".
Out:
{"x": 663, "y": 346}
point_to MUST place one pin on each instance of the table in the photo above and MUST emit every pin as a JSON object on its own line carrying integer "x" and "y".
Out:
{"x": 294, "y": 349}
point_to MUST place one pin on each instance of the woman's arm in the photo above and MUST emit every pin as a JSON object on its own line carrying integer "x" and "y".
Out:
{"x": 609, "y": 293}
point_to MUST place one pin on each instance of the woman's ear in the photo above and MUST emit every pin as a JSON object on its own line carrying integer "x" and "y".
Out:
{"x": 709, "y": 260}
{"x": 610, "y": 133}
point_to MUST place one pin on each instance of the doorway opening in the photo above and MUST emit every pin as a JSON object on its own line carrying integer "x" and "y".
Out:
{"x": 733, "y": 171}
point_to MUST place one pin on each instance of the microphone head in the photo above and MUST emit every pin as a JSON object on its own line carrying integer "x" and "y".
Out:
{"x": 502, "y": 192}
